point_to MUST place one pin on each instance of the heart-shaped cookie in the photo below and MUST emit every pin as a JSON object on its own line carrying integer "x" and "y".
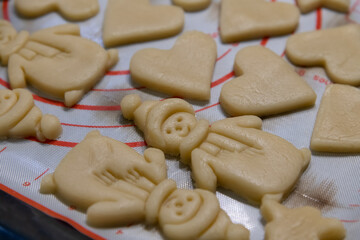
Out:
{"x": 129, "y": 21}
{"x": 336, "y": 49}
{"x": 185, "y": 70}
{"x": 268, "y": 85}
{"x": 337, "y": 127}
{"x": 192, "y": 5}
{"x": 310, "y": 5}
{"x": 249, "y": 19}
{"x": 74, "y": 10}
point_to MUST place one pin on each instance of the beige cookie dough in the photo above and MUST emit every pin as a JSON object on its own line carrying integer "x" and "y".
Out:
{"x": 248, "y": 19}
{"x": 233, "y": 153}
{"x": 186, "y": 70}
{"x": 10, "y": 40}
{"x": 20, "y": 118}
{"x": 267, "y": 85}
{"x": 335, "y": 49}
{"x": 74, "y": 10}
{"x": 192, "y": 5}
{"x": 299, "y": 224}
{"x": 337, "y": 127}
{"x": 60, "y": 63}
{"x": 130, "y": 21}
{"x": 310, "y": 5}
{"x": 108, "y": 179}
{"x": 190, "y": 214}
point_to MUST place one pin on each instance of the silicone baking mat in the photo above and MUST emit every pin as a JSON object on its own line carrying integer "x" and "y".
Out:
{"x": 331, "y": 183}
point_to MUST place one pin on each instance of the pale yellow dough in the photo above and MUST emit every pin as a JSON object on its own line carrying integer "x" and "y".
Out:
{"x": 310, "y": 5}
{"x": 20, "y": 118}
{"x": 267, "y": 85}
{"x": 192, "y": 5}
{"x": 299, "y": 224}
{"x": 190, "y": 214}
{"x": 336, "y": 49}
{"x": 130, "y": 21}
{"x": 108, "y": 179}
{"x": 233, "y": 153}
{"x": 186, "y": 70}
{"x": 57, "y": 61}
{"x": 337, "y": 127}
{"x": 248, "y": 19}
{"x": 74, "y": 10}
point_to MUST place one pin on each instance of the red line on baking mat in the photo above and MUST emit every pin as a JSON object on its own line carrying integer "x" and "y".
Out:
{"x": 222, "y": 56}
{"x": 50, "y": 212}
{"x": 264, "y": 41}
{"x": 92, "y": 126}
{"x": 349, "y": 221}
{"x": 2, "y": 149}
{"x": 318, "y": 19}
{"x": 5, "y": 10}
{"x": 114, "y": 73}
{"x": 354, "y": 205}
{"x": 42, "y": 174}
{"x": 117, "y": 90}
{"x": 222, "y": 79}
{"x": 353, "y": 7}
{"x": 4, "y": 83}
{"x": 202, "y": 109}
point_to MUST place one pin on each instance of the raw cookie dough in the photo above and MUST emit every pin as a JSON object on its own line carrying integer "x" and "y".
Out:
{"x": 186, "y": 70}
{"x": 20, "y": 118}
{"x": 299, "y": 224}
{"x": 248, "y": 19}
{"x": 337, "y": 127}
{"x": 74, "y": 10}
{"x": 310, "y": 5}
{"x": 10, "y": 40}
{"x": 268, "y": 85}
{"x": 192, "y": 5}
{"x": 130, "y": 21}
{"x": 233, "y": 153}
{"x": 336, "y": 49}
{"x": 59, "y": 62}
{"x": 108, "y": 179}
{"x": 190, "y": 214}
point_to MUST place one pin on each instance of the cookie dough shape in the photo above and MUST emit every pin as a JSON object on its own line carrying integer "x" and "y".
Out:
{"x": 300, "y": 223}
{"x": 186, "y": 70}
{"x": 233, "y": 153}
{"x": 130, "y": 21}
{"x": 310, "y": 5}
{"x": 190, "y": 214}
{"x": 192, "y": 5}
{"x": 59, "y": 62}
{"x": 75, "y": 10}
{"x": 336, "y": 49}
{"x": 337, "y": 126}
{"x": 267, "y": 85}
{"x": 108, "y": 179}
{"x": 20, "y": 118}
{"x": 249, "y": 19}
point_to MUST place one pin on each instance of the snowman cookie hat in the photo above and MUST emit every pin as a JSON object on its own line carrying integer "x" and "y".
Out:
{"x": 190, "y": 214}
{"x": 169, "y": 125}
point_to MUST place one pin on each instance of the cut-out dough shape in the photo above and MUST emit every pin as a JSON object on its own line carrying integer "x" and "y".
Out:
{"x": 337, "y": 127}
{"x": 186, "y": 70}
{"x": 299, "y": 223}
{"x": 248, "y": 19}
{"x": 59, "y": 62}
{"x": 108, "y": 179}
{"x": 130, "y": 21}
{"x": 310, "y": 5}
{"x": 192, "y": 5}
{"x": 233, "y": 153}
{"x": 268, "y": 85}
{"x": 336, "y": 49}
{"x": 20, "y": 118}
{"x": 75, "y": 10}
{"x": 190, "y": 214}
